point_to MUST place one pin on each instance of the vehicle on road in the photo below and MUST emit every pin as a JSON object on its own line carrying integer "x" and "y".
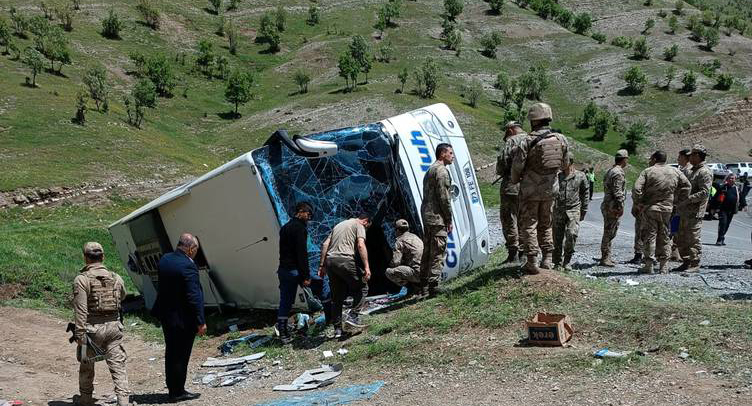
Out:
{"x": 740, "y": 168}
{"x": 719, "y": 170}
{"x": 236, "y": 210}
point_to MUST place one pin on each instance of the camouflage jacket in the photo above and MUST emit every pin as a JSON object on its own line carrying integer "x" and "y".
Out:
{"x": 82, "y": 291}
{"x": 659, "y": 187}
{"x": 408, "y": 250}
{"x": 436, "y": 209}
{"x": 536, "y": 185}
{"x": 504, "y": 163}
{"x": 614, "y": 189}
{"x": 700, "y": 179}
{"x": 573, "y": 194}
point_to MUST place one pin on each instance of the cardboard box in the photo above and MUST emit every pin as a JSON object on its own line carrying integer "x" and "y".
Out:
{"x": 549, "y": 329}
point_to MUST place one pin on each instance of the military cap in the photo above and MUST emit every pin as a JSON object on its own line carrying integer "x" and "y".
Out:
{"x": 401, "y": 224}
{"x": 685, "y": 152}
{"x": 540, "y": 111}
{"x": 699, "y": 148}
{"x": 512, "y": 124}
{"x": 93, "y": 248}
{"x": 622, "y": 153}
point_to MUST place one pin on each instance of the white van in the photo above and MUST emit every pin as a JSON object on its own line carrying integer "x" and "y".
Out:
{"x": 236, "y": 210}
{"x": 740, "y": 168}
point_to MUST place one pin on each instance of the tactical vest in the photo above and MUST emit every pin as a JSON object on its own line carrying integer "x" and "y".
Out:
{"x": 546, "y": 154}
{"x": 104, "y": 295}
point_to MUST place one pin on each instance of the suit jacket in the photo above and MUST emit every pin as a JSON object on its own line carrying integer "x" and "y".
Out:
{"x": 180, "y": 299}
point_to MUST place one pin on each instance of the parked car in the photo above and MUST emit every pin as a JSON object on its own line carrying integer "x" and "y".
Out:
{"x": 719, "y": 170}
{"x": 236, "y": 210}
{"x": 740, "y": 168}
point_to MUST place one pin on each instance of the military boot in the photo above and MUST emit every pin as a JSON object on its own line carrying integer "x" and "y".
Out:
{"x": 547, "y": 262}
{"x": 281, "y": 331}
{"x": 557, "y": 260}
{"x": 681, "y": 268}
{"x": 664, "y": 267}
{"x": 530, "y": 266}
{"x": 606, "y": 261}
{"x": 511, "y": 256}
{"x": 85, "y": 400}
{"x": 647, "y": 267}
{"x": 123, "y": 401}
{"x": 694, "y": 267}
{"x": 636, "y": 260}
{"x": 565, "y": 265}
{"x": 675, "y": 256}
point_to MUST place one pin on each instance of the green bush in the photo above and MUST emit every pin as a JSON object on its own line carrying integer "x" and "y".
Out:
{"x": 641, "y": 49}
{"x": 679, "y": 7}
{"x": 149, "y": 13}
{"x": 670, "y": 53}
{"x": 313, "y": 15}
{"x": 689, "y": 82}
{"x": 636, "y": 133}
{"x": 238, "y": 90}
{"x": 474, "y": 93}
{"x": 670, "y": 74}
{"x": 427, "y": 78}
{"x": 724, "y": 81}
{"x": 712, "y": 38}
{"x": 490, "y": 42}
{"x": 600, "y": 37}
{"x": 111, "y": 25}
{"x": 673, "y": 24}
{"x": 453, "y": 8}
{"x": 600, "y": 125}
{"x": 582, "y": 23}
{"x": 622, "y": 42}
{"x": 636, "y": 80}
{"x": 269, "y": 32}
{"x": 496, "y": 6}
{"x": 565, "y": 18}
{"x": 649, "y": 24}
{"x": 302, "y": 79}
{"x": 588, "y": 115}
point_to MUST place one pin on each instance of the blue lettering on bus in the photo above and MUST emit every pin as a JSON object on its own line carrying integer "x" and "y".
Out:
{"x": 416, "y": 138}
{"x": 451, "y": 259}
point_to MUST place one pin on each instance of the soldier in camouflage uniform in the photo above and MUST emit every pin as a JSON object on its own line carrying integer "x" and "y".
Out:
{"x": 692, "y": 210}
{"x": 436, "y": 211}
{"x": 612, "y": 208}
{"x": 683, "y": 162}
{"x": 97, "y": 294}
{"x": 508, "y": 203}
{"x": 655, "y": 192}
{"x": 569, "y": 209}
{"x": 405, "y": 265}
{"x": 535, "y": 167}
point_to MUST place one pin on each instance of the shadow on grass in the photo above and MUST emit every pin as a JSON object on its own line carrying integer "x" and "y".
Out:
{"x": 511, "y": 271}
{"x": 628, "y": 92}
{"x": 229, "y": 115}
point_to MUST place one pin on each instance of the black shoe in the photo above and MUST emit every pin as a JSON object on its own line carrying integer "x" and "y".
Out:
{"x": 184, "y": 396}
{"x": 681, "y": 268}
{"x": 748, "y": 262}
{"x": 511, "y": 256}
{"x": 636, "y": 260}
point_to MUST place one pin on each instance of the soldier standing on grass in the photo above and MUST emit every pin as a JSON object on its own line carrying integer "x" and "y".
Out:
{"x": 569, "y": 209}
{"x": 509, "y": 203}
{"x": 405, "y": 265}
{"x": 692, "y": 210}
{"x": 535, "y": 167}
{"x": 656, "y": 190}
{"x": 436, "y": 211}
{"x": 97, "y": 293}
{"x": 612, "y": 208}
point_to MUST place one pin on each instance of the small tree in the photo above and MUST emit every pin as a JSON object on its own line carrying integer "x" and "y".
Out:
{"x": 111, "y": 25}
{"x": 708, "y": 17}
{"x": 670, "y": 75}
{"x": 280, "y": 19}
{"x": 221, "y": 26}
{"x": 233, "y": 5}
{"x": 239, "y": 89}
{"x": 361, "y": 53}
{"x": 698, "y": 30}
{"x": 149, "y": 13}
{"x": 670, "y": 53}
{"x": 724, "y": 81}
{"x": 474, "y": 93}
{"x": 65, "y": 15}
{"x": 588, "y": 115}
{"x": 144, "y": 95}
{"x": 313, "y": 15}
{"x": 490, "y": 42}
{"x": 649, "y": 24}
{"x": 582, "y": 23}
{"x": 348, "y": 69}
{"x": 139, "y": 61}
{"x": 679, "y": 7}
{"x": 6, "y": 38}
{"x": 381, "y": 21}
{"x": 496, "y": 6}
{"x": 712, "y": 37}
{"x": 636, "y": 133}
{"x": 159, "y": 71}
{"x": 269, "y": 33}
{"x": 506, "y": 85}
{"x": 427, "y": 78}
{"x": 386, "y": 52}
{"x": 95, "y": 80}
{"x": 223, "y": 66}
{"x": 45, "y": 10}
{"x": 689, "y": 80}
{"x": 673, "y": 24}
{"x": 600, "y": 125}
{"x": 35, "y": 61}
{"x": 636, "y": 80}
{"x": 622, "y": 42}
{"x": 216, "y": 6}
{"x": 206, "y": 57}
{"x": 599, "y": 36}
{"x": 535, "y": 81}
{"x": 20, "y": 23}
{"x": 453, "y": 8}
{"x": 641, "y": 49}
{"x": 302, "y": 79}
{"x": 403, "y": 76}
{"x": 232, "y": 37}
{"x": 80, "y": 116}
{"x": 451, "y": 35}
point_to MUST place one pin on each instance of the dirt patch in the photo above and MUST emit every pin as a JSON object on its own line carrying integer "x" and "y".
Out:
{"x": 11, "y": 291}
{"x": 176, "y": 33}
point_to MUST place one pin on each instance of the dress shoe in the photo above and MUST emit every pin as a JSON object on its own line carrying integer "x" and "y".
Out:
{"x": 184, "y": 396}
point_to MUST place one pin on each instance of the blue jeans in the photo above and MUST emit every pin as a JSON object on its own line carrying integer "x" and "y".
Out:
{"x": 289, "y": 279}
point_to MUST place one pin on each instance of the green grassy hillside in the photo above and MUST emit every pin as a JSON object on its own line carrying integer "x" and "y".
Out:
{"x": 191, "y": 131}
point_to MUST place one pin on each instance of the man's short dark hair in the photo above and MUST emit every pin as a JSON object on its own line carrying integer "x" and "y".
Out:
{"x": 441, "y": 148}
{"x": 303, "y": 207}
{"x": 685, "y": 152}
{"x": 95, "y": 256}
{"x": 659, "y": 156}
{"x": 618, "y": 161}
{"x": 364, "y": 216}
{"x": 701, "y": 154}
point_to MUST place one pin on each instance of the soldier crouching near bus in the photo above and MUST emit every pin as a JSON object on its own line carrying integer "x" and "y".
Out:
{"x": 97, "y": 294}
{"x": 405, "y": 265}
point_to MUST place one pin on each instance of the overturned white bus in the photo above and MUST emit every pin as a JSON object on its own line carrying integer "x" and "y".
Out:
{"x": 236, "y": 210}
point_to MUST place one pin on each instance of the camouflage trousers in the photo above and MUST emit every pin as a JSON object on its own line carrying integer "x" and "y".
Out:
{"x": 688, "y": 238}
{"x": 402, "y": 275}
{"x": 434, "y": 251}
{"x": 639, "y": 237}
{"x": 508, "y": 207}
{"x": 610, "y": 228}
{"x": 109, "y": 338}
{"x": 566, "y": 229}
{"x": 655, "y": 234}
{"x": 536, "y": 234}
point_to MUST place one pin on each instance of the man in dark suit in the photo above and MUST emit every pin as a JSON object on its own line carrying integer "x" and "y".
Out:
{"x": 180, "y": 309}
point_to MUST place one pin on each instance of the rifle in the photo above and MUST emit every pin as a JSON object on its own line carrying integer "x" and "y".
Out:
{"x": 83, "y": 353}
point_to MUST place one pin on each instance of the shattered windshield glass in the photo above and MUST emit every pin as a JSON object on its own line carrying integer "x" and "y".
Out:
{"x": 362, "y": 177}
